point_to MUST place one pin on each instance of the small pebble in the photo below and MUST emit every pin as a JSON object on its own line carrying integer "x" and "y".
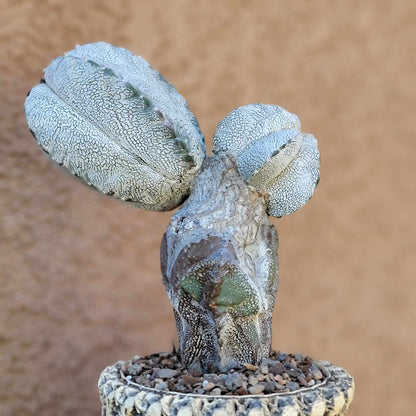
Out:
{"x": 141, "y": 380}
{"x": 282, "y": 356}
{"x": 215, "y": 392}
{"x": 278, "y": 368}
{"x": 270, "y": 387}
{"x": 294, "y": 372}
{"x": 278, "y": 378}
{"x": 212, "y": 378}
{"x": 208, "y": 386}
{"x": 256, "y": 389}
{"x": 264, "y": 369}
{"x": 311, "y": 383}
{"x": 317, "y": 374}
{"x": 135, "y": 369}
{"x": 302, "y": 381}
{"x": 252, "y": 380}
{"x": 167, "y": 363}
{"x": 182, "y": 388}
{"x": 162, "y": 386}
{"x": 171, "y": 385}
{"x": 233, "y": 381}
{"x": 250, "y": 367}
{"x": 166, "y": 373}
{"x": 291, "y": 386}
{"x": 187, "y": 379}
{"x": 269, "y": 362}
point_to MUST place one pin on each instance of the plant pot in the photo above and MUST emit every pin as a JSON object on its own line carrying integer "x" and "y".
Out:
{"x": 331, "y": 397}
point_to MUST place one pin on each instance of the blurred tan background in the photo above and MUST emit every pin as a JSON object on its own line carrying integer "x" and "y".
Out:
{"x": 80, "y": 284}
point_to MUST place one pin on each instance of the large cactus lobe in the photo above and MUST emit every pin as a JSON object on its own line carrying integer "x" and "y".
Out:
{"x": 113, "y": 121}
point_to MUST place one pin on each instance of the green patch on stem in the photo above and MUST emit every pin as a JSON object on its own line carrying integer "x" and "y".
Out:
{"x": 192, "y": 286}
{"x": 236, "y": 294}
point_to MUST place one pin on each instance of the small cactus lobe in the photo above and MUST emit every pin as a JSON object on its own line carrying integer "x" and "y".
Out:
{"x": 273, "y": 155}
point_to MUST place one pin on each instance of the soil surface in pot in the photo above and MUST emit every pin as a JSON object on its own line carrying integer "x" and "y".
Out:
{"x": 280, "y": 373}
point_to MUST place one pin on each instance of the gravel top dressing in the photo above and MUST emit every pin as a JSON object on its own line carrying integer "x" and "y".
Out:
{"x": 278, "y": 374}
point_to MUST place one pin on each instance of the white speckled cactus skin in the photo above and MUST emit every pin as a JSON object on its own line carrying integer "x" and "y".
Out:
{"x": 113, "y": 121}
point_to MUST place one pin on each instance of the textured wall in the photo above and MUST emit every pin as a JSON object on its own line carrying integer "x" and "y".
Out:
{"x": 80, "y": 285}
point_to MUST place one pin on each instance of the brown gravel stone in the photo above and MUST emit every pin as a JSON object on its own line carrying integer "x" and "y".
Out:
{"x": 251, "y": 367}
{"x": 278, "y": 378}
{"x": 277, "y": 369}
{"x": 241, "y": 391}
{"x": 172, "y": 386}
{"x": 190, "y": 380}
{"x": 317, "y": 374}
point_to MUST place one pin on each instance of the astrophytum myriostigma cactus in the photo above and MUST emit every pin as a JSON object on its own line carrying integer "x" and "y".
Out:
{"x": 273, "y": 155}
{"x": 114, "y": 122}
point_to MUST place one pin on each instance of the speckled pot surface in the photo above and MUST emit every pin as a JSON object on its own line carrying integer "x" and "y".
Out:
{"x": 331, "y": 397}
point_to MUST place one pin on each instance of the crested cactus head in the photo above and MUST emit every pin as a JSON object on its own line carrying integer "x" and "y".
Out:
{"x": 273, "y": 155}
{"x": 113, "y": 121}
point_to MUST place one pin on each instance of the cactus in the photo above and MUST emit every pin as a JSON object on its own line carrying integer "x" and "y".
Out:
{"x": 114, "y": 122}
